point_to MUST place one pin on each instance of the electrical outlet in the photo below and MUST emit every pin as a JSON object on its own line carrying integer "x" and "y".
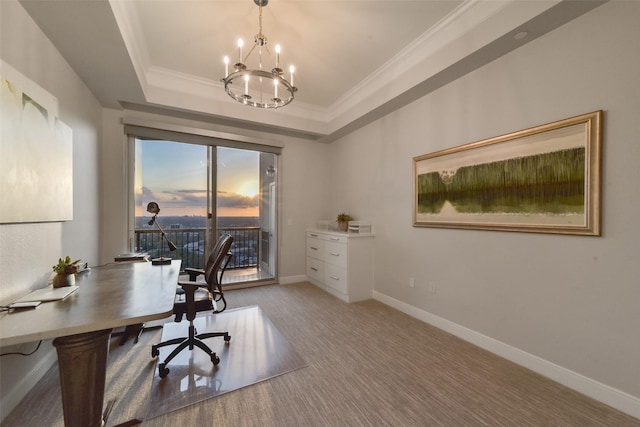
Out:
{"x": 412, "y": 282}
{"x": 432, "y": 287}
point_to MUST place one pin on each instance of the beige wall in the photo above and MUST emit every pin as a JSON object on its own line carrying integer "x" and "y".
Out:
{"x": 570, "y": 300}
{"x": 27, "y": 251}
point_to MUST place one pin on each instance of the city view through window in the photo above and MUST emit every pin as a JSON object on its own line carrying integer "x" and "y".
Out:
{"x": 175, "y": 176}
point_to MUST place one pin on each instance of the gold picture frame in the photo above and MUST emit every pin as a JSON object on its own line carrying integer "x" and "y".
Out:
{"x": 545, "y": 179}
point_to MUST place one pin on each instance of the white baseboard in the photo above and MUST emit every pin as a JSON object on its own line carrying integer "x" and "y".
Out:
{"x": 608, "y": 395}
{"x": 293, "y": 279}
{"x": 15, "y": 394}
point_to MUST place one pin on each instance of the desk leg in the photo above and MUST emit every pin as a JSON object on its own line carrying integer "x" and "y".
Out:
{"x": 82, "y": 362}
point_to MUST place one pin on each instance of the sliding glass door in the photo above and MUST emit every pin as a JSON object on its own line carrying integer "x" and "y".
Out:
{"x": 246, "y": 204}
{"x": 182, "y": 178}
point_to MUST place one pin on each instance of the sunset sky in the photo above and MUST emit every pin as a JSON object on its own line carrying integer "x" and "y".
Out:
{"x": 174, "y": 175}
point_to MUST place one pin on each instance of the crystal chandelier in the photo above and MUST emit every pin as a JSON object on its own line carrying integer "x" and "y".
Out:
{"x": 258, "y": 87}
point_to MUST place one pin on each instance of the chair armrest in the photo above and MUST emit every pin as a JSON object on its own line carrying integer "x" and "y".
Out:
{"x": 193, "y": 273}
{"x": 191, "y": 285}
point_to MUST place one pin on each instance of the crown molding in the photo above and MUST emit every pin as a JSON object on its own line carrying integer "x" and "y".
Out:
{"x": 467, "y": 29}
{"x": 126, "y": 16}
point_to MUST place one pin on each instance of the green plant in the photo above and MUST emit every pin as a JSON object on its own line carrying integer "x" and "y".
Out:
{"x": 343, "y": 217}
{"x": 65, "y": 266}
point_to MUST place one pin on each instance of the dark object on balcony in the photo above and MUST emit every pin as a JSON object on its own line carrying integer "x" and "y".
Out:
{"x": 212, "y": 274}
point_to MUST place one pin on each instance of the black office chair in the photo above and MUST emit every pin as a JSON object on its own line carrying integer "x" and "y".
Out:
{"x": 212, "y": 274}
{"x": 205, "y": 299}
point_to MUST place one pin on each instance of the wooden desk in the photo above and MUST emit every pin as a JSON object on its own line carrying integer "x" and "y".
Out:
{"x": 110, "y": 296}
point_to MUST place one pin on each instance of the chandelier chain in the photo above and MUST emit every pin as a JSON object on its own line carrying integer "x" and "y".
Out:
{"x": 260, "y": 19}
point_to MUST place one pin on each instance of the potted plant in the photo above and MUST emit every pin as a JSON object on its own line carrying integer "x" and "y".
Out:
{"x": 65, "y": 272}
{"x": 343, "y": 221}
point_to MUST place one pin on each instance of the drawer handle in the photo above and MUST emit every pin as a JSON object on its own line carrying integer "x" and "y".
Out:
{"x": 335, "y": 238}
{"x": 314, "y": 269}
{"x": 311, "y": 247}
{"x": 313, "y": 235}
{"x": 334, "y": 253}
{"x": 335, "y": 277}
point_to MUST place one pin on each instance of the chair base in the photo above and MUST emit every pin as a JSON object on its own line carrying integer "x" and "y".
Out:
{"x": 193, "y": 340}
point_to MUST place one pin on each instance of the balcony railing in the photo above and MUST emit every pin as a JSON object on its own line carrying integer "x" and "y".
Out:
{"x": 191, "y": 245}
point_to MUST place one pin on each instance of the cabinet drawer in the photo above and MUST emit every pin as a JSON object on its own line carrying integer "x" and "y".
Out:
{"x": 335, "y": 253}
{"x": 335, "y": 277}
{"x": 327, "y": 236}
{"x": 315, "y": 248}
{"x": 315, "y": 269}
{"x": 335, "y": 239}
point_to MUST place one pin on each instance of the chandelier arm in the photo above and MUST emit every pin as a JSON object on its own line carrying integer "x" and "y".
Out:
{"x": 248, "y": 54}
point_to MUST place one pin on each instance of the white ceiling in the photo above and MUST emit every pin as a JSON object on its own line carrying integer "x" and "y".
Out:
{"x": 355, "y": 60}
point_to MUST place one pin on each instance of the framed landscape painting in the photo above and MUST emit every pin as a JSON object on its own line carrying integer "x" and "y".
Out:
{"x": 546, "y": 179}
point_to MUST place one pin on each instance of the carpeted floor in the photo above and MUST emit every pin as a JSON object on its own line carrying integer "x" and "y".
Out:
{"x": 367, "y": 365}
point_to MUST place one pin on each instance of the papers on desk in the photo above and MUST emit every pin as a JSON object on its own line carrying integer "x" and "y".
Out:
{"x": 48, "y": 294}
{"x": 24, "y": 305}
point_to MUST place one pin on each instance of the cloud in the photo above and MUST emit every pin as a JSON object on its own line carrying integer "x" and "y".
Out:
{"x": 188, "y": 199}
{"x": 233, "y": 200}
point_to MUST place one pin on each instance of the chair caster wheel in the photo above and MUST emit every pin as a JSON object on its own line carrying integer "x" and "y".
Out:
{"x": 163, "y": 371}
{"x": 227, "y": 338}
{"x": 215, "y": 359}
{"x": 154, "y": 351}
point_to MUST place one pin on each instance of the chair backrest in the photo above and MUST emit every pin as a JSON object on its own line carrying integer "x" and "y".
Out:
{"x": 217, "y": 261}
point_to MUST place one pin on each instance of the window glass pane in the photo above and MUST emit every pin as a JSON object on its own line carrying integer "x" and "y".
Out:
{"x": 237, "y": 203}
{"x": 174, "y": 175}
{"x": 238, "y": 186}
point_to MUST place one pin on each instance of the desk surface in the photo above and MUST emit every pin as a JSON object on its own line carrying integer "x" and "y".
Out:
{"x": 109, "y": 296}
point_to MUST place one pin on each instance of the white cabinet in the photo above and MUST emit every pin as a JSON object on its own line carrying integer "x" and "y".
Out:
{"x": 341, "y": 263}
